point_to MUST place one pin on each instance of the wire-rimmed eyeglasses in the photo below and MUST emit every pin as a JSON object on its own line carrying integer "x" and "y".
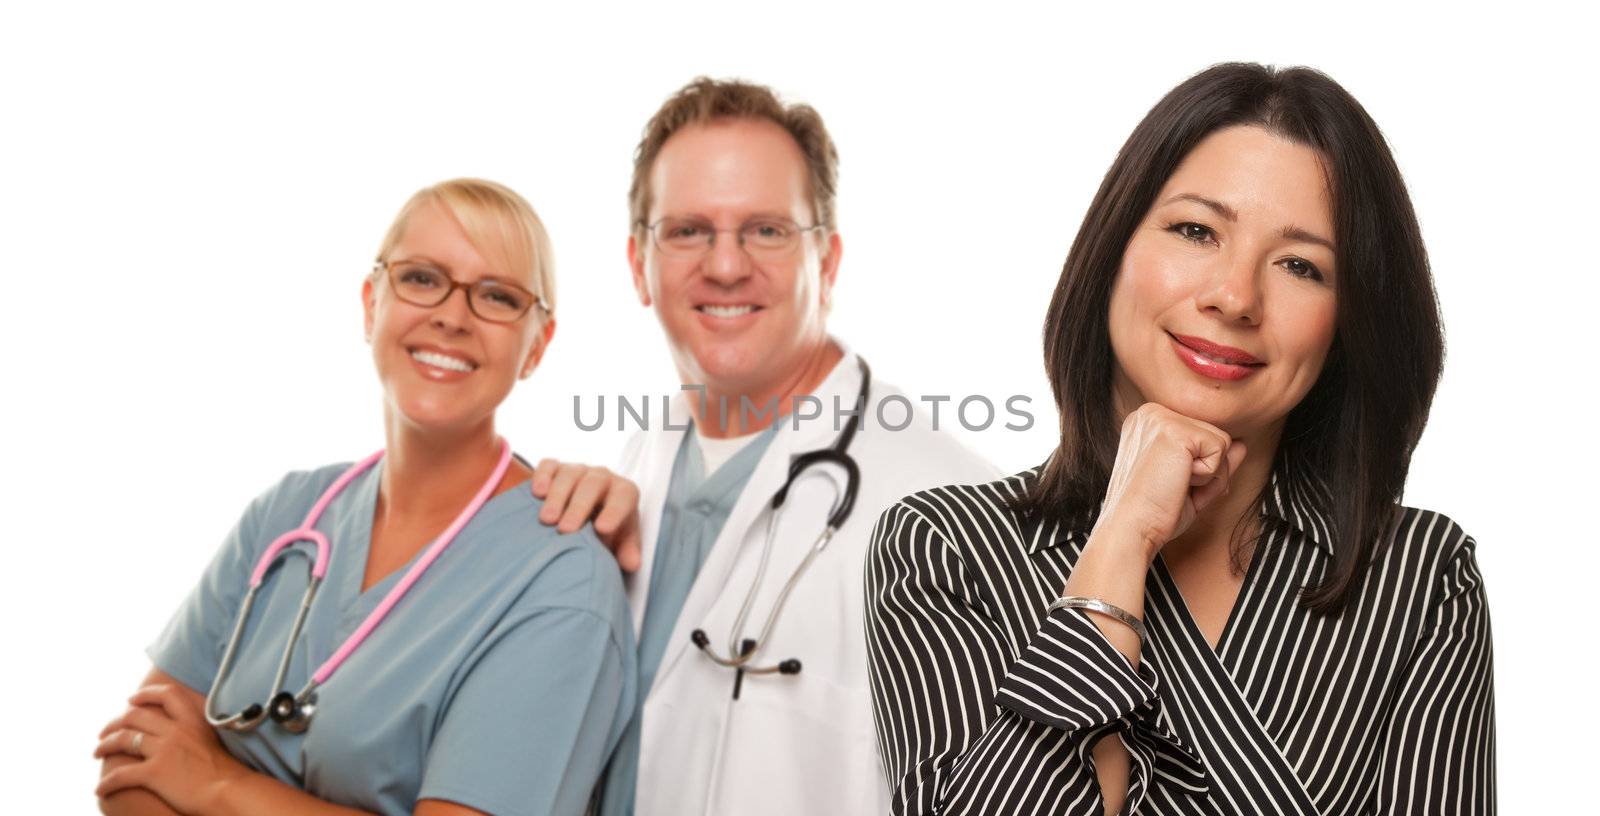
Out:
{"x": 423, "y": 284}
{"x": 689, "y": 237}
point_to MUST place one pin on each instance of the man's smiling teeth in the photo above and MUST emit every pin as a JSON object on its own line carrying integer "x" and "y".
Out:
{"x": 441, "y": 361}
{"x": 727, "y": 311}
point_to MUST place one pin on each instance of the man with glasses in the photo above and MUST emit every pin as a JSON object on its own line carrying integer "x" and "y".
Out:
{"x": 734, "y": 244}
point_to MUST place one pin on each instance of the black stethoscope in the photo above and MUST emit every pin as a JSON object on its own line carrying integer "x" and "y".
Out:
{"x": 743, "y": 651}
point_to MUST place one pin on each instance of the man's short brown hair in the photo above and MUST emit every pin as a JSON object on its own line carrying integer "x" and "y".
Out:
{"x": 707, "y": 100}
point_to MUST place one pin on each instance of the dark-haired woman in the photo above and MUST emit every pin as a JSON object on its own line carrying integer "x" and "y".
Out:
{"x": 1207, "y": 600}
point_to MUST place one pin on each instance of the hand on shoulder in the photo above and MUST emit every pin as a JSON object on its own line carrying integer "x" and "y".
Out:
{"x": 576, "y": 493}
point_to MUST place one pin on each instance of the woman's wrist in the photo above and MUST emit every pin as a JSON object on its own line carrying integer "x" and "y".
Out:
{"x": 1125, "y": 539}
{"x": 225, "y": 789}
{"x": 1112, "y": 569}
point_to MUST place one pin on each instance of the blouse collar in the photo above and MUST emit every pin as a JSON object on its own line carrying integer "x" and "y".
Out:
{"x": 1301, "y": 499}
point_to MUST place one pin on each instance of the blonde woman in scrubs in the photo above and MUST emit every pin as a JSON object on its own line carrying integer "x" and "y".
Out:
{"x": 502, "y": 680}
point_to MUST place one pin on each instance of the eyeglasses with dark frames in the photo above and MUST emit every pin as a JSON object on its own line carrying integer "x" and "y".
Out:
{"x": 422, "y": 283}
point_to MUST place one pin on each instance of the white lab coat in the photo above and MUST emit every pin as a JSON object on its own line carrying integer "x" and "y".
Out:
{"x": 791, "y": 744}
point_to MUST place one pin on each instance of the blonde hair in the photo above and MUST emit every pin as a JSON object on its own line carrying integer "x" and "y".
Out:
{"x": 501, "y": 225}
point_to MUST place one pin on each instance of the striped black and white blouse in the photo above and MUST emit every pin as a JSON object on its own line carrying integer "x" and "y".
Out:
{"x": 986, "y": 705}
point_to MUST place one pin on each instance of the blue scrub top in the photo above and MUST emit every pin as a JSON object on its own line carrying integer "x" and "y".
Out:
{"x": 502, "y": 681}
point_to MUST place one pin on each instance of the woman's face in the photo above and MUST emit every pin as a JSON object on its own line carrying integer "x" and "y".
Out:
{"x": 442, "y": 367}
{"x": 1224, "y": 307}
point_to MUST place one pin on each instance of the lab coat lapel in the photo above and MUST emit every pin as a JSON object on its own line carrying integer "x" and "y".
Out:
{"x": 711, "y": 590}
{"x": 1209, "y": 708}
{"x": 655, "y": 459}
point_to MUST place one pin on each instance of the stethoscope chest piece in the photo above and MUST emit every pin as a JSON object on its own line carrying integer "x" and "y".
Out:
{"x": 293, "y": 715}
{"x": 741, "y": 658}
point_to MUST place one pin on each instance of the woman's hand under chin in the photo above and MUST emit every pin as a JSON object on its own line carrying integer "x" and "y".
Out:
{"x": 181, "y": 759}
{"x": 1169, "y": 468}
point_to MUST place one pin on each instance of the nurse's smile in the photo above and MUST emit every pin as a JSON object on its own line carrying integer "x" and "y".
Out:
{"x": 440, "y": 365}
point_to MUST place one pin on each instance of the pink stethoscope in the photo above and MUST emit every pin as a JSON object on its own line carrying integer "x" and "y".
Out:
{"x": 294, "y": 711}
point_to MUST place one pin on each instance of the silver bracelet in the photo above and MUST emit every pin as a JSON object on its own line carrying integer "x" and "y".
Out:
{"x": 1097, "y": 605}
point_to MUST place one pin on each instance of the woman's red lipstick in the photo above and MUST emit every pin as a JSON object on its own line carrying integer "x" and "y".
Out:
{"x": 1214, "y": 360}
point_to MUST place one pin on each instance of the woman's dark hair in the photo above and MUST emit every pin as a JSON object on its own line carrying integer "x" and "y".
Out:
{"x": 1356, "y": 428}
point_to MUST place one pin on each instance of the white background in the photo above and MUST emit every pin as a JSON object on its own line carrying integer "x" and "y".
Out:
{"x": 190, "y": 196}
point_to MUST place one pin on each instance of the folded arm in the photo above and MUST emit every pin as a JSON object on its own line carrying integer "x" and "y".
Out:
{"x": 162, "y": 757}
{"x": 966, "y": 729}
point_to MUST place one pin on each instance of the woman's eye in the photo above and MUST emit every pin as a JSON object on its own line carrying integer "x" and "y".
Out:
{"x": 1302, "y": 268}
{"x": 1192, "y": 232}
{"x": 504, "y": 298}
{"x": 419, "y": 277}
